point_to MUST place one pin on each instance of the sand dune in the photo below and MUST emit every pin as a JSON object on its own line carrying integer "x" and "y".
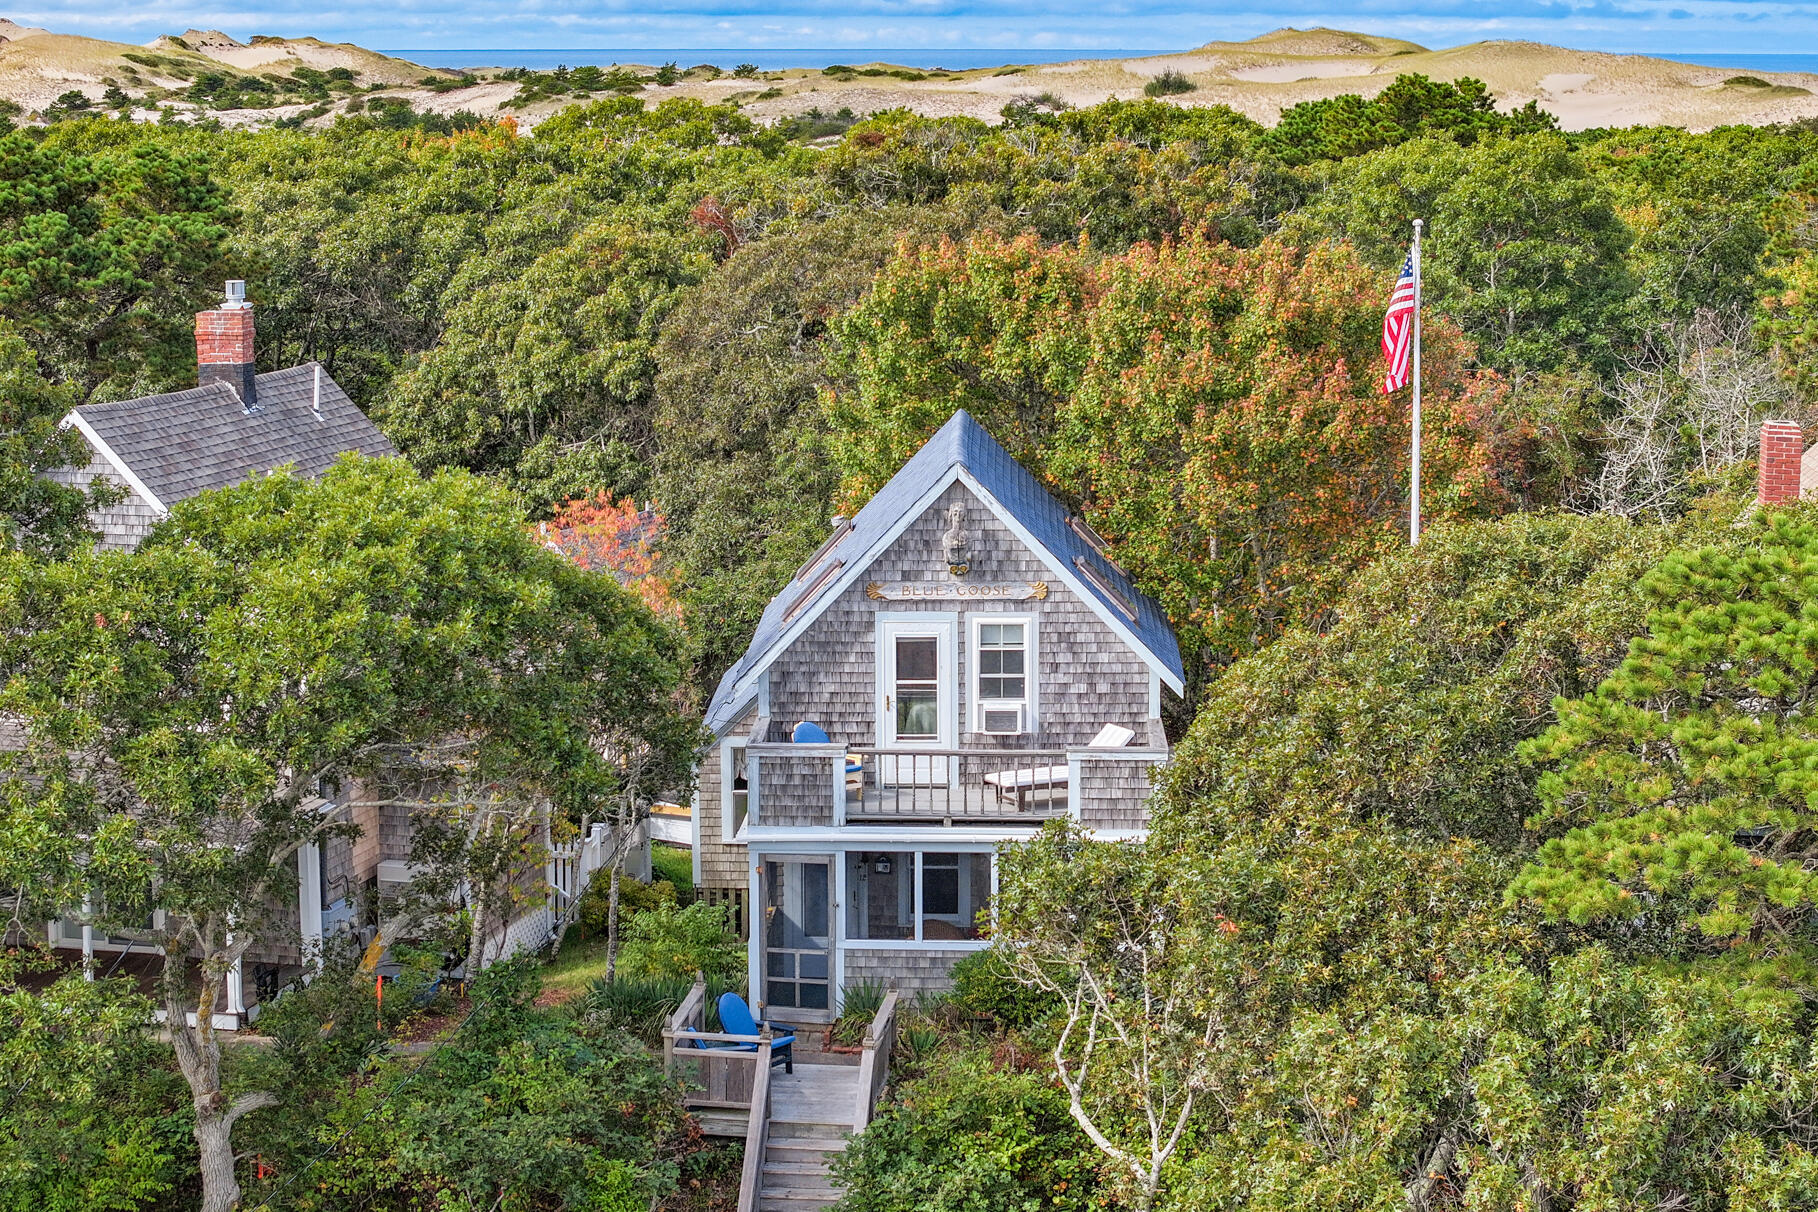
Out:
{"x": 1259, "y": 77}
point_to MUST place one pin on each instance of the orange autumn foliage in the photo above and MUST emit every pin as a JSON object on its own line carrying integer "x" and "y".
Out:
{"x": 1215, "y": 411}
{"x": 618, "y": 538}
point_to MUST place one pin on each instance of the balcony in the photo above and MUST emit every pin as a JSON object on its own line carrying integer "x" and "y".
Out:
{"x": 807, "y": 785}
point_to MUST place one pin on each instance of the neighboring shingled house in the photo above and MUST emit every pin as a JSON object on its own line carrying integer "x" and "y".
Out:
{"x": 234, "y": 425}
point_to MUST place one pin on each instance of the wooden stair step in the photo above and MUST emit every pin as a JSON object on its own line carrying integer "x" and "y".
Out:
{"x": 795, "y": 1197}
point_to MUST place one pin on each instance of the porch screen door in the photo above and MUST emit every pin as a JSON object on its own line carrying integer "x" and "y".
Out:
{"x": 917, "y": 706}
{"x": 798, "y": 933}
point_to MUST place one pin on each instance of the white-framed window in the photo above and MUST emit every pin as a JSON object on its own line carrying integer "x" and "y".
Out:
{"x": 904, "y": 896}
{"x": 955, "y": 890}
{"x": 735, "y": 791}
{"x": 1003, "y": 673}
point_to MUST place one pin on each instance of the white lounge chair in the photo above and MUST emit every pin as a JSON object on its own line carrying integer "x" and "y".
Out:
{"x": 1020, "y": 784}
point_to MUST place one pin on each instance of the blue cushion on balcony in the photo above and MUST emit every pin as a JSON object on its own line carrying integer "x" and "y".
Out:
{"x": 810, "y": 733}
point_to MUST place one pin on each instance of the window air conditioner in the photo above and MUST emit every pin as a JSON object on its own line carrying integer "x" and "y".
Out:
{"x": 1002, "y": 719}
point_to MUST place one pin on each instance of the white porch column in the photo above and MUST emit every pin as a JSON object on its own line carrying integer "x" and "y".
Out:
{"x": 236, "y": 990}
{"x": 88, "y": 940}
{"x": 309, "y": 902}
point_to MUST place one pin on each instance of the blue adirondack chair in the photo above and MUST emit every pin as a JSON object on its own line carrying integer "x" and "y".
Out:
{"x": 736, "y": 1019}
{"x": 810, "y": 733}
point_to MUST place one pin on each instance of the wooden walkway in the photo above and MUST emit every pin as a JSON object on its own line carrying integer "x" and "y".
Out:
{"x": 793, "y": 1123}
{"x": 811, "y": 1113}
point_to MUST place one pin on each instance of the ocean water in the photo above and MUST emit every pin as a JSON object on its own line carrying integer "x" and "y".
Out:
{"x": 1759, "y": 63}
{"x": 919, "y": 57}
{"x": 767, "y": 60}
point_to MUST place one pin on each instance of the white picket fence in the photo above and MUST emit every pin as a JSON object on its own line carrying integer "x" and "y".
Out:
{"x": 569, "y": 869}
{"x": 571, "y": 866}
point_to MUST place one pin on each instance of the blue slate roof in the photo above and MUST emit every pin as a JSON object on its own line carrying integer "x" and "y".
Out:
{"x": 961, "y": 443}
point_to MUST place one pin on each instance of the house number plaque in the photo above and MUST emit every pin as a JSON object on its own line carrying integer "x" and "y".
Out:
{"x": 948, "y": 591}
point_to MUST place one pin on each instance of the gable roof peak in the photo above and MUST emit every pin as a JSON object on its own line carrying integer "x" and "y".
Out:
{"x": 961, "y": 447}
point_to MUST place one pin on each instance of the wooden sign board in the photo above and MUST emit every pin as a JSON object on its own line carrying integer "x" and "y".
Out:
{"x": 955, "y": 591}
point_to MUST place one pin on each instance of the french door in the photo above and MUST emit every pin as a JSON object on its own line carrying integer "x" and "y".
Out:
{"x": 798, "y": 933}
{"x": 918, "y": 701}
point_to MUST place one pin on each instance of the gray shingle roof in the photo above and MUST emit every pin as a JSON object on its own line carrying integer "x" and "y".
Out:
{"x": 186, "y": 442}
{"x": 962, "y": 443}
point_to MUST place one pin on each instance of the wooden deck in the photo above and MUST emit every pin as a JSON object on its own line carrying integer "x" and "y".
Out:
{"x": 791, "y": 1122}
{"x": 960, "y": 803}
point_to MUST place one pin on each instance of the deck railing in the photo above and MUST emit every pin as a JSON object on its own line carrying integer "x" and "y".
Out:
{"x": 721, "y": 1079}
{"x": 874, "y": 1062}
{"x": 757, "y": 1130}
{"x": 833, "y": 784}
{"x": 726, "y": 1079}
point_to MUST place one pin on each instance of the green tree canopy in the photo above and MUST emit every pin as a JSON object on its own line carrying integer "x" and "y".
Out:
{"x": 1535, "y": 275}
{"x": 104, "y": 256}
{"x": 741, "y": 467}
{"x": 1408, "y": 700}
{"x": 183, "y": 703}
{"x": 1685, "y": 784}
{"x": 1412, "y": 107}
{"x": 40, "y": 514}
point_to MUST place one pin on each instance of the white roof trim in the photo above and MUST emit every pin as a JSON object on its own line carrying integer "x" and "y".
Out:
{"x": 107, "y": 452}
{"x": 860, "y": 566}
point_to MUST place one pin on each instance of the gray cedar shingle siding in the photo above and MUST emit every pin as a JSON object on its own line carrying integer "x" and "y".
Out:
{"x": 962, "y": 446}
{"x": 908, "y": 972}
{"x": 793, "y": 791}
{"x": 1114, "y": 794}
{"x": 122, "y": 526}
{"x": 1088, "y": 676}
{"x": 186, "y": 442}
{"x": 722, "y": 865}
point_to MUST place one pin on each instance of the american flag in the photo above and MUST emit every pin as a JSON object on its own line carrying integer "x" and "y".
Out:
{"x": 1398, "y": 328}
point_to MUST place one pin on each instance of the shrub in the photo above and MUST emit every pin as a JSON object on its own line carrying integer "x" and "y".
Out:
{"x": 983, "y": 984}
{"x": 668, "y": 942}
{"x": 918, "y": 1041}
{"x": 967, "y": 1136}
{"x": 745, "y": 71}
{"x": 1168, "y": 84}
{"x": 676, "y": 865}
{"x": 517, "y": 1110}
{"x": 634, "y": 897}
{"x": 639, "y": 1005}
{"x": 857, "y": 1009}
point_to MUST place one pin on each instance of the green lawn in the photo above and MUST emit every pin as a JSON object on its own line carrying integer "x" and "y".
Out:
{"x": 582, "y": 961}
{"x": 676, "y": 865}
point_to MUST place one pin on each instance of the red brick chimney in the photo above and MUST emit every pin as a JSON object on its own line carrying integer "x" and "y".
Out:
{"x": 224, "y": 345}
{"x": 1782, "y": 449}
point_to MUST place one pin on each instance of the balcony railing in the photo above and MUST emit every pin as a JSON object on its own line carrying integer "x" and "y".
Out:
{"x": 830, "y": 784}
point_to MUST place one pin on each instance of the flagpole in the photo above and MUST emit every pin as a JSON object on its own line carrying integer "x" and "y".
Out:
{"x": 1414, "y": 496}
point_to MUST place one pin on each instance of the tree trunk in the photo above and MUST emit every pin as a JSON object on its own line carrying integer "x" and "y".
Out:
{"x": 480, "y": 905}
{"x": 199, "y": 1058}
{"x": 612, "y": 921}
{"x": 220, "y": 1187}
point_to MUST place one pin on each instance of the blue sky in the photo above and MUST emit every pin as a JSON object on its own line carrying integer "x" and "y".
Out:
{"x": 1707, "y": 26}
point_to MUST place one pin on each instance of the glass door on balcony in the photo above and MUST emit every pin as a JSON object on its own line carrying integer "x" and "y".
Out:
{"x": 798, "y": 933}
{"x": 917, "y": 708}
